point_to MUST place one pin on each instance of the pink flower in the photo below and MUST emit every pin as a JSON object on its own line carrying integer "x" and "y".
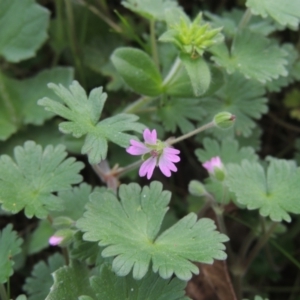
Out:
{"x": 155, "y": 153}
{"x": 215, "y": 168}
{"x": 55, "y": 240}
{"x": 214, "y": 162}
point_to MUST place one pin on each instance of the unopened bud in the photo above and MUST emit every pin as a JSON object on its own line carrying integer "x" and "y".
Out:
{"x": 224, "y": 120}
{"x": 62, "y": 237}
{"x": 196, "y": 188}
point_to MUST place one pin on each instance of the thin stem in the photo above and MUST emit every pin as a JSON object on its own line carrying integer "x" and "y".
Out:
{"x": 262, "y": 241}
{"x": 283, "y": 123}
{"x": 175, "y": 67}
{"x": 122, "y": 171}
{"x": 73, "y": 40}
{"x": 102, "y": 16}
{"x": 66, "y": 255}
{"x": 3, "y": 293}
{"x": 135, "y": 106}
{"x": 153, "y": 43}
{"x": 196, "y": 131}
{"x": 245, "y": 19}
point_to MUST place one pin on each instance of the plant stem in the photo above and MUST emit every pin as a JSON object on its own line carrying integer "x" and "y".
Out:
{"x": 245, "y": 19}
{"x": 187, "y": 135}
{"x": 102, "y": 16}
{"x": 132, "y": 108}
{"x": 121, "y": 171}
{"x": 262, "y": 241}
{"x": 73, "y": 40}
{"x": 153, "y": 43}
{"x": 175, "y": 67}
{"x": 3, "y": 293}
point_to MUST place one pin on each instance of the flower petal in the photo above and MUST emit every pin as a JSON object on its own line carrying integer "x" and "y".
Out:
{"x": 150, "y": 137}
{"x": 137, "y": 148}
{"x": 170, "y": 150}
{"x": 214, "y": 162}
{"x": 166, "y": 166}
{"x": 147, "y": 167}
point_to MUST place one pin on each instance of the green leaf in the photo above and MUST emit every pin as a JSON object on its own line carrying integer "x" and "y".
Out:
{"x": 38, "y": 240}
{"x": 230, "y": 20}
{"x": 177, "y": 113}
{"x": 133, "y": 240}
{"x": 228, "y": 150}
{"x": 285, "y": 12}
{"x": 109, "y": 286}
{"x": 269, "y": 191}
{"x": 18, "y": 99}
{"x": 277, "y": 84}
{"x": 23, "y": 28}
{"x": 83, "y": 113}
{"x": 240, "y": 97}
{"x": 258, "y": 298}
{"x": 39, "y": 283}
{"x": 9, "y": 246}
{"x": 73, "y": 201}
{"x": 253, "y": 55}
{"x": 75, "y": 280}
{"x": 35, "y": 88}
{"x": 138, "y": 71}
{"x": 83, "y": 250}
{"x": 198, "y": 72}
{"x": 30, "y": 181}
{"x": 150, "y": 9}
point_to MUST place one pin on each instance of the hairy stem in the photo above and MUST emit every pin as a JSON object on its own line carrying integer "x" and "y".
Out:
{"x": 196, "y": 131}
{"x": 135, "y": 106}
{"x": 175, "y": 67}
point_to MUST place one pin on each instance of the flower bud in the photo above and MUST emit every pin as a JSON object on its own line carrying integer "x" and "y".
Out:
{"x": 196, "y": 188}
{"x": 62, "y": 237}
{"x": 215, "y": 168}
{"x": 224, "y": 120}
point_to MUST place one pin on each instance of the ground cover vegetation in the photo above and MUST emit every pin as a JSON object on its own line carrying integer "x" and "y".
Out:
{"x": 149, "y": 149}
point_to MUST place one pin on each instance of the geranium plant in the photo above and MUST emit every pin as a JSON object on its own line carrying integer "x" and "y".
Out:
{"x": 149, "y": 149}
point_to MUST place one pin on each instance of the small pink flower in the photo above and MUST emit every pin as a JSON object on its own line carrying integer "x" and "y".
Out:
{"x": 55, "y": 240}
{"x": 214, "y": 162}
{"x": 158, "y": 154}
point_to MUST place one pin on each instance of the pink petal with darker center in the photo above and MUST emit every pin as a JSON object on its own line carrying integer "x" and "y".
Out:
{"x": 166, "y": 166}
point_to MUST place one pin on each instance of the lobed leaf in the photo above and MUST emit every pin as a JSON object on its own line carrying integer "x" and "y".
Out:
{"x": 178, "y": 113}
{"x": 228, "y": 150}
{"x": 9, "y": 246}
{"x": 241, "y": 97}
{"x": 109, "y": 286}
{"x": 30, "y": 181}
{"x": 23, "y": 28}
{"x": 40, "y": 281}
{"x": 253, "y": 55}
{"x": 129, "y": 232}
{"x": 285, "y": 12}
{"x": 75, "y": 280}
{"x": 83, "y": 113}
{"x": 268, "y": 191}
